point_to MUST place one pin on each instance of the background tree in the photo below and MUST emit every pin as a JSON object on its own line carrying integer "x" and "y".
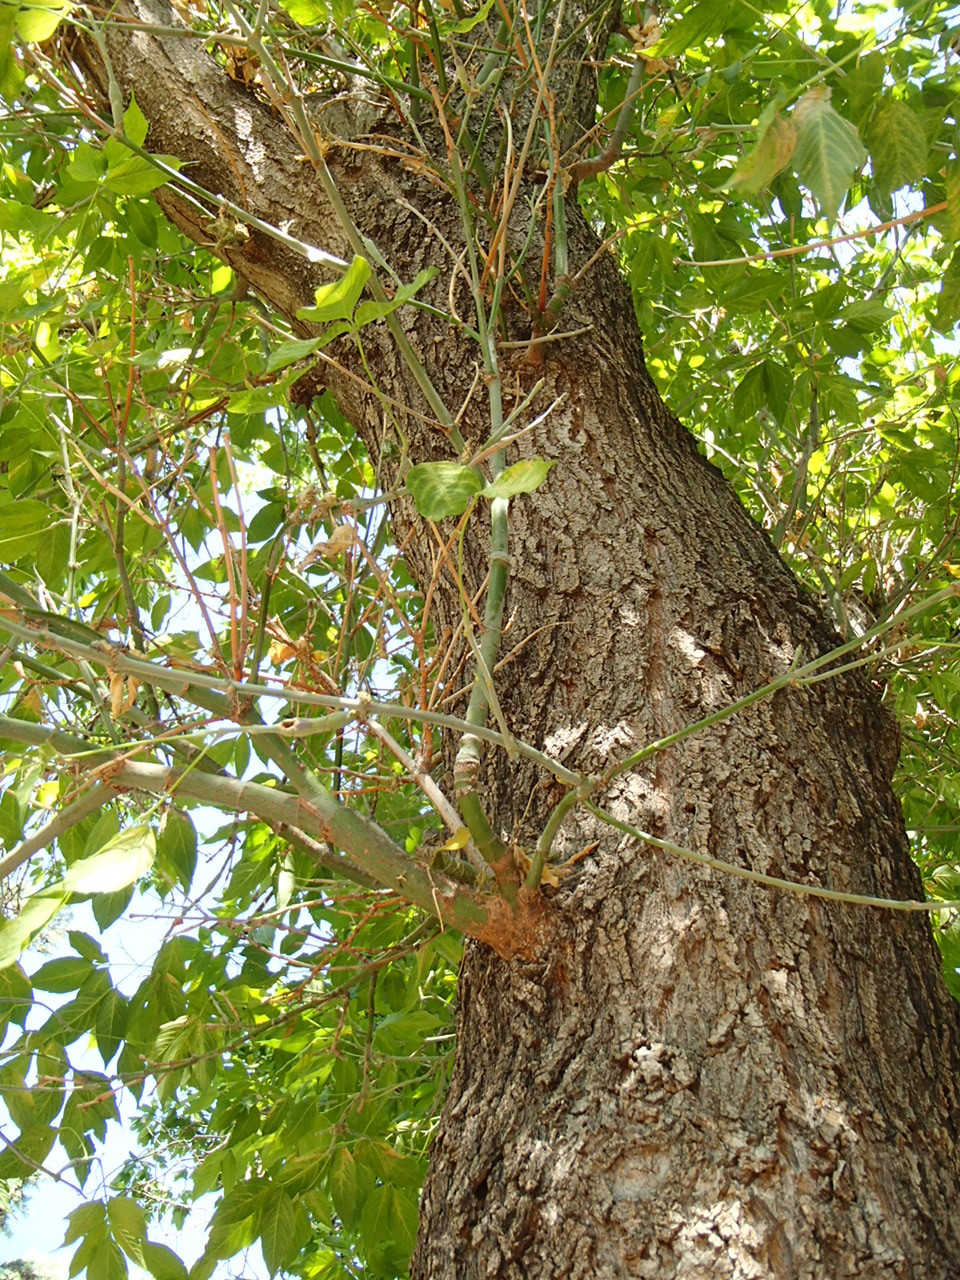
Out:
{"x": 28, "y": 1270}
{"x": 340, "y": 498}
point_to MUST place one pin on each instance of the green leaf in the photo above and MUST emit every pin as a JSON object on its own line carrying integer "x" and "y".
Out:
{"x": 336, "y": 301}
{"x": 342, "y": 1184}
{"x": 441, "y": 489}
{"x": 86, "y": 946}
{"x": 135, "y": 122}
{"x": 30, "y": 1149}
{"x": 137, "y": 176}
{"x": 257, "y": 399}
{"x": 74, "y": 1018}
{"x": 15, "y": 996}
{"x": 863, "y": 85}
{"x": 204, "y": 1266}
{"x": 177, "y": 847}
{"x": 162, "y": 1262}
{"x": 36, "y": 913}
{"x": 25, "y": 222}
{"x": 53, "y": 552}
{"x": 108, "y": 1263}
{"x": 948, "y": 221}
{"x": 367, "y": 312}
{"x": 751, "y": 291}
{"x": 128, "y": 1226}
{"x": 467, "y": 24}
{"x": 290, "y": 352}
{"x": 828, "y": 152}
{"x": 11, "y": 820}
{"x": 750, "y": 393}
{"x": 300, "y": 1173}
{"x": 390, "y": 1166}
{"x": 90, "y": 1107}
{"x": 866, "y": 314}
{"x": 111, "y": 1024}
{"x": 276, "y": 1229}
{"x": 108, "y": 907}
{"x": 268, "y": 521}
{"x": 121, "y": 862}
{"x": 66, "y": 974}
{"x": 389, "y": 1218}
{"x": 240, "y": 1205}
{"x": 898, "y": 146}
{"x": 523, "y": 477}
{"x": 21, "y": 525}
{"x": 11, "y": 72}
{"x": 87, "y": 165}
{"x": 38, "y": 20}
{"x": 88, "y": 1250}
{"x": 947, "y": 311}
{"x": 143, "y": 220}
{"x": 703, "y": 20}
{"x": 89, "y": 1219}
{"x": 400, "y": 1032}
{"x": 308, "y": 13}
{"x": 105, "y": 827}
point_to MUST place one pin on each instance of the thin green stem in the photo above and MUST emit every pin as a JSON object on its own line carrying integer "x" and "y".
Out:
{"x": 73, "y": 497}
{"x": 772, "y": 882}
{"x": 549, "y": 833}
{"x": 795, "y": 676}
{"x": 62, "y": 638}
{"x": 562, "y": 284}
{"x": 288, "y": 93}
{"x": 825, "y": 667}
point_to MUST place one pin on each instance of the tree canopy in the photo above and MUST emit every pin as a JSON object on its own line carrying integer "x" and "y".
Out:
{"x": 226, "y": 699}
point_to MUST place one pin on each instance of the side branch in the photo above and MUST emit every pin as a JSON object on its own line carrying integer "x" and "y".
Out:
{"x": 369, "y": 849}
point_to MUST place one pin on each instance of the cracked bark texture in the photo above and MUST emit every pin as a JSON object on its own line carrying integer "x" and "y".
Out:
{"x": 697, "y": 1077}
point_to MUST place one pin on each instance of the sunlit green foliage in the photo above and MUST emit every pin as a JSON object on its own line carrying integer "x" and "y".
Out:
{"x": 784, "y": 198}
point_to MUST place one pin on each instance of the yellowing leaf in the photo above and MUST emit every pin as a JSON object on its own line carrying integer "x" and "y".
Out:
{"x": 123, "y": 693}
{"x": 281, "y": 651}
{"x": 133, "y": 684}
{"x": 459, "y": 840}
{"x": 341, "y": 539}
{"x": 769, "y": 157}
{"x": 522, "y": 477}
{"x": 116, "y": 693}
{"x": 47, "y": 794}
{"x": 32, "y": 701}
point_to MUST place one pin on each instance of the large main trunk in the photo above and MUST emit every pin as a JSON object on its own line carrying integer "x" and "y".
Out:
{"x": 697, "y": 1076}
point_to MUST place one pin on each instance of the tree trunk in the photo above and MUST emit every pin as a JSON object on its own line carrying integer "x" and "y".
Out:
{"x": 686, "y": 1075}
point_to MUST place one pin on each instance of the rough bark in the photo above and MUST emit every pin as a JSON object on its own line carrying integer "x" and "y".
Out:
{"x": 697, "y": 1077}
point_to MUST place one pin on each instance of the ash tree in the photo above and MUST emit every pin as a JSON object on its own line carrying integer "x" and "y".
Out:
{"x": 515, "y": 778}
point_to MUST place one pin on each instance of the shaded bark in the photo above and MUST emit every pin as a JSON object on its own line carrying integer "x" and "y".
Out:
{"x": 698, "y": 1077}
